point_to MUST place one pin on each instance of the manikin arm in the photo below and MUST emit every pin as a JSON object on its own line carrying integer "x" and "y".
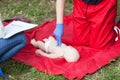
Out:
{"x": 52, "y": 49}
{"x": 49, "y": 55}
{"x": 38, "y": 44}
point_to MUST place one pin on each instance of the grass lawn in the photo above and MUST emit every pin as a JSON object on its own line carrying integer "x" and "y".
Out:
{"x": 39, "y": 11}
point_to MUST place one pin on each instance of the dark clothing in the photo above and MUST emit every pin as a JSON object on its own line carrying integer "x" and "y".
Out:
{"x": 91, "y": 1}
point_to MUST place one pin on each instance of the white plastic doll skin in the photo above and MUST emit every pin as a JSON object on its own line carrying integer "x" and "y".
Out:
{"x": 48, "y": 48}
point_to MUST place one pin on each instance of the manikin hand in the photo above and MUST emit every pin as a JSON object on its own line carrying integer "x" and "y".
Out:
{"x": 58, "y": 32}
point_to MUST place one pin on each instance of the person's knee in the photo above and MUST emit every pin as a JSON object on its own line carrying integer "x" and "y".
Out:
{"x": 22, "y": 37}
{"x": 24, "y": 40}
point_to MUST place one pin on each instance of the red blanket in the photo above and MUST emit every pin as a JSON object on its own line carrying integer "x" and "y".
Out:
{"x": 90, "y": 61}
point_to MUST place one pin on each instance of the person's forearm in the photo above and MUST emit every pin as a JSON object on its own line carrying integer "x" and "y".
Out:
{"x": 60, "y": 11}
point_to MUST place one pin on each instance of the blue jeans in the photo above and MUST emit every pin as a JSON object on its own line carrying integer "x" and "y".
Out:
{"x": 10, "y": 46}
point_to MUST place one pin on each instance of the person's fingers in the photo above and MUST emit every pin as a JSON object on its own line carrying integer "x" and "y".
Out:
{"x": 59, "y": 42}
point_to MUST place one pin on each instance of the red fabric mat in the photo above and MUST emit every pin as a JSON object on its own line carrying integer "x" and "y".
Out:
{"x": 91, "y": 59}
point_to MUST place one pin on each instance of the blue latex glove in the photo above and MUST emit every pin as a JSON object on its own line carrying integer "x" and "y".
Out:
{"x": 58, "y": 32}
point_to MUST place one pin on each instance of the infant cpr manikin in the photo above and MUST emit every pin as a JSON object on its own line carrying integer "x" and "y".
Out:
{"x": 48, "y": 48}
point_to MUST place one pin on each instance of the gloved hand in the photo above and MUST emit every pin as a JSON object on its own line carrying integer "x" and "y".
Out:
{"x": 58, "y": 32}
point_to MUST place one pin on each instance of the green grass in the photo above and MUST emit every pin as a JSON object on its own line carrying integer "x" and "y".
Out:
{"x": 39, "y": 11}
